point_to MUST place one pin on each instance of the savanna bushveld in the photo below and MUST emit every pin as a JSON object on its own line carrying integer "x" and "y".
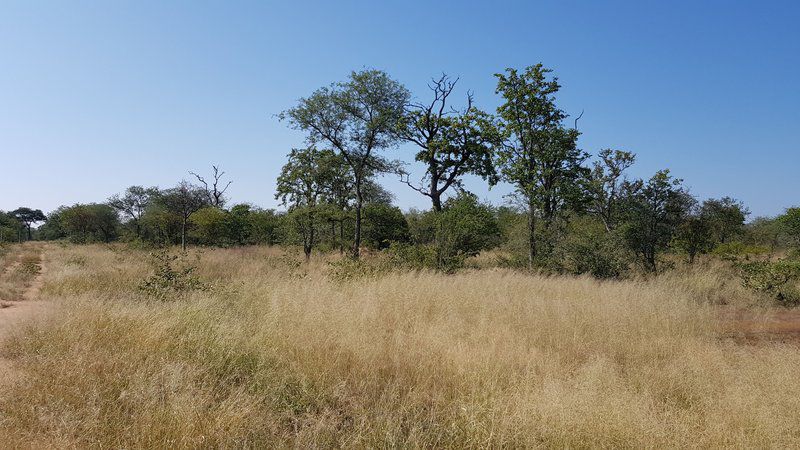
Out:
{"x": 592, "y": 309}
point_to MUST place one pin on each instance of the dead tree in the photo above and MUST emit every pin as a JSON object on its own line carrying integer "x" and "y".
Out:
{"x": 216, "y": 195}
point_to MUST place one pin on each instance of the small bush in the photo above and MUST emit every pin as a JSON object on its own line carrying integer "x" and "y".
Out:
{"x": 171, "y": 274}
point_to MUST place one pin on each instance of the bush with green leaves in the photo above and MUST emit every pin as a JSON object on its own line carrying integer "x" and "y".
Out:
{"x": 588, "y": 248}
{"x": 780, "y": 279}
{"x": 172, "y": 274}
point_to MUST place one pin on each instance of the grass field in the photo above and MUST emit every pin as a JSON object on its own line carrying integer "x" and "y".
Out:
{"x": 272, "y": 352}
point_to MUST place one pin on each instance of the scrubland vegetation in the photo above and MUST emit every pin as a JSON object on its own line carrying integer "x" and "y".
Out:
{"x": 265, "y": 350}
{"x": 591, "y": 309}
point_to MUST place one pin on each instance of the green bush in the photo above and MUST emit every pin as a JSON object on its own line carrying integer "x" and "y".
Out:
{"x": 778, "y": 279}
{"x": 172, "y": 274}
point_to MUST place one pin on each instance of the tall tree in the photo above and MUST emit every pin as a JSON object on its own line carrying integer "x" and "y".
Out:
{"x": 452, "y": 143}
{"x": 214, "y": 189}
{"x": 654, "y": 210}
{"x": 184, "y": 200}
{"x": 725, "y": 216}
{"x": 539, "y": 156}
{"x": 28, "y": 217}
{"x": 357, "y": 118}
{"x": 605, "y": 185}
{"x": 133, "y": 203}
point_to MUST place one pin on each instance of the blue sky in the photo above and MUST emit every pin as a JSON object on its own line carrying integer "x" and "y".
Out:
{"x": 97, "y": 96}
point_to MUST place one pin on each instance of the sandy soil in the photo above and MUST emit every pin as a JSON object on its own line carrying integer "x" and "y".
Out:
{"x": 13, "y": 313}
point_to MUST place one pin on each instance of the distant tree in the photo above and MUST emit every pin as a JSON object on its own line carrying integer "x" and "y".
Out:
{"x": 790, "y": 223}
{"x": 93, "y": 222}
{"x": 303, "y": 182}
{"x": 10, "y": 227}
{"x": 654, "y": 210}
{"x": 184, "y": 200}
{"x": 605, "y": 185}
{"x": 694, "y": 235}
{"x": 451, "y": 143}
{"x": 210, "y": 226}
{"x": 725, "y": 217}
{"x": 357, "y": 118}
{"x": 213, "y": 188}
{"x": 28, "y": 217}
{"x": 133, "y": 203}
{"x": 540, "y": 157}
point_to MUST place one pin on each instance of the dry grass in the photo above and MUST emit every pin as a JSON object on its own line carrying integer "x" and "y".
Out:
{"x": 277, "y": 355}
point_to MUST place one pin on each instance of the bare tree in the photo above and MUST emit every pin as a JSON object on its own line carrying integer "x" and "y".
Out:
{"x": 215, "y": 193}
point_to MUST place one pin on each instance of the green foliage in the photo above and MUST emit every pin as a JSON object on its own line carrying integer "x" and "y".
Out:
{"x": 778, "y": 279}
{"x": 736, "y": 251}
{"x": 540, "y": 157}
{"x": 28, "y": 217}
{"x": 724, "y": 217}
{"x": 789, "y": 222}
{"x": 85, "y": 223}
{"x": 466, "y": 227}
{"x": 172, "y": 274}
{"x": 357, "y": 118}
{"x": 451, "y": 144}
{"x": 589, "y": 248}
{"x": 383, "y": 225}
{"x": 653, "y": 213}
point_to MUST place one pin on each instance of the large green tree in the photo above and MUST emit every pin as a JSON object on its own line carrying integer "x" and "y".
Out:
{"x": 451, "y": 143}
{"x": 539, "y": 157}
{"x": 28, "y": 217}
{"x": 357, "y": 118}
{"x": 133, "y": 203}
{"x": 653, "y": 211}
{"x": 183, "y": 200}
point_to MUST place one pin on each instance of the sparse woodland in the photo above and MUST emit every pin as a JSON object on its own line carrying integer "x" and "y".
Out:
{"x": 592, "y": 309}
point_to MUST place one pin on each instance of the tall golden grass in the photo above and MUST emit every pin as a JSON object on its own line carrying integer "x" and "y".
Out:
{"x": 276, "y": 354}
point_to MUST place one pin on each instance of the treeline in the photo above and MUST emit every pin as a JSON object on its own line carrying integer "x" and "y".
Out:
{"x": 569, "y": 212}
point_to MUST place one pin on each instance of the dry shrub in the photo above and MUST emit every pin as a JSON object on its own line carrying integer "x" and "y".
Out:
{"x": 479, "y": 359}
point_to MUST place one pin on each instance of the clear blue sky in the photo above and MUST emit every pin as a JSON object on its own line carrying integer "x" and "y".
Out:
{"x": 97, "y": 96}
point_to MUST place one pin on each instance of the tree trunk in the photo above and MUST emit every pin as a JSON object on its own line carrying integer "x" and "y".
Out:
{"x": 359, "y": 204}
{"x": 29, "y": 232}
{"x": 183, "y": 234}
{"x": 531, "y": 233}
{"x": 436, "y": 196}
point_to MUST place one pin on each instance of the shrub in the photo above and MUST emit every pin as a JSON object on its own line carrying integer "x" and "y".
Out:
{"x": 778, "y": 279}
{"x": 171, "y": 274}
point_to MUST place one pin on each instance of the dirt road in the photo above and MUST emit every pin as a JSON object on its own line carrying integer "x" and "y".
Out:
{"x": 24, "y": 304}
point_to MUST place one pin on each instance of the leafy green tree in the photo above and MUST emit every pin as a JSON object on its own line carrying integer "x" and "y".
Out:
{"x": 10, "y": 228}
{"x": 790, "y": 224}
{"x": 725, "y": 217}
{"x": 695, "y": 235}
{"x": 210, "y": 226}
{"x": 183, "y": 200}
{"x": 466, "y": 227}
{"x": 540, "y": 157}
{"x": 28, "y": 217}
{"x": 654, "y": 210}
{"x": 451, "y": 143}
{"x": 357, "y": 118}
{"x": 383, "y": 225}
{"x": 133, "y": 203}
{"x": 93, "y": 222}
{"x": 303, "y": 183}
{"x": 605, "y": 185}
